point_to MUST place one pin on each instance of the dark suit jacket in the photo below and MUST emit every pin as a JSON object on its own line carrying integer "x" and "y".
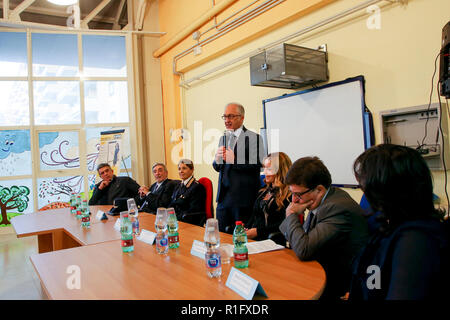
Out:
{"x": 159, "y": 198}
{"x": 188, "y": 199}
{"x": 239, "y": 182}
{"x": 120, "y": 187}
{"x": 337, "y": 233}
{"x": 413, "y": 262}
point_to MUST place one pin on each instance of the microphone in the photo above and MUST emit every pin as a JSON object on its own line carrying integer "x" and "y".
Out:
{"x": 224, "y": 137}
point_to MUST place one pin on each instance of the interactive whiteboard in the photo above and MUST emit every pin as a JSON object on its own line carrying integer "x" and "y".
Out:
{"x": 330, "y": 122}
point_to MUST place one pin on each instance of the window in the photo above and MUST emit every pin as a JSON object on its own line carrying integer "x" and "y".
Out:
{"x": 59, "y": 92}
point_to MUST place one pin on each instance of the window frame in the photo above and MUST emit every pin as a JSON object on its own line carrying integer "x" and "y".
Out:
{"x": 37, "y": 173}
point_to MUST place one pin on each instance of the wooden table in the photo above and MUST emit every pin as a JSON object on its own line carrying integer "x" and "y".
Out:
{"x": 107, "y": 273}
{"x": 53, "y": 228}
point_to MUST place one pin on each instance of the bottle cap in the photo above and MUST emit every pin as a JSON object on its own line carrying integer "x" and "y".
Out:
{"x": 239, "y": 223}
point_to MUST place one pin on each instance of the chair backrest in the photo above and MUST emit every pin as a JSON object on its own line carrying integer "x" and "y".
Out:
{"x": 371, "y": 217}
{"x": 261, "y": 180}
{"x": 209, "y": 207}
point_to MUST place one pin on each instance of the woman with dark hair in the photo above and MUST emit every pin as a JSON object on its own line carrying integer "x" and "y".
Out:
{"x": 408, "y": 256}
{"x": 189, "y": 196}
{"x": 270, "y": 206}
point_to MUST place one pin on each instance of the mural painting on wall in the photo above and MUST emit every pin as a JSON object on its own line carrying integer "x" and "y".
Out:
{"x": 59, "y": 150}
{"x": 13, "y": 198}
{"x": 55, "y": 193}
{"x": 15, "y": 154}
{"x": 15, "y": 159}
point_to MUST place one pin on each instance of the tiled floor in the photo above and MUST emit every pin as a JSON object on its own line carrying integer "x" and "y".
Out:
{"x": 18, "y": 280}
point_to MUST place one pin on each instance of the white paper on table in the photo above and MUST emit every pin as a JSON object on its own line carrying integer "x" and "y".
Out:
{"x": 198, "y": 249}
{"x": 263, "y": 246}
{"x": 147, "y": 236}
{"x": 243, "y": 284}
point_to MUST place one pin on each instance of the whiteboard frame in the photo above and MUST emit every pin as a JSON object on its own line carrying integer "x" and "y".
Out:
{"x": 366, "y": 118}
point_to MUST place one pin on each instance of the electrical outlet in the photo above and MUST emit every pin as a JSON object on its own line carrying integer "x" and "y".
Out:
{"x": 428, "y": 114}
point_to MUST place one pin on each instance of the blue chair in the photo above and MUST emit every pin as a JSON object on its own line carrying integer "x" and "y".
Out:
{"x": 261, "y": 178}
{"x": 370, "y": 216}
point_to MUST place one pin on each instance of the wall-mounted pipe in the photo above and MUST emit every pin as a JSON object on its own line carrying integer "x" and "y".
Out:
{"x": 215, "y": 26}
{"x": 192, "y": 27}
{"x": 364, "y": 5}
{"x": 269, "y": 4}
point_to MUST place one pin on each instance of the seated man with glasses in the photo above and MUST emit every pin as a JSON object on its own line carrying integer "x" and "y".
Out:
{"x": 334, "y": 230}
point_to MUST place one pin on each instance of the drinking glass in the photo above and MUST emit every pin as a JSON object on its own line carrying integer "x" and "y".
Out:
{"x": 161, "y": 219}
{"x": 132, "y": 207}
{"x": 212, "y": 232}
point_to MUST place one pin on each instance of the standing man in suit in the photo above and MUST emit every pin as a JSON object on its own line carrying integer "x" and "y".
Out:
{"x": 334, "y": 230}
{"x": 238, "y": 161}
{"x": 159, "y": 194}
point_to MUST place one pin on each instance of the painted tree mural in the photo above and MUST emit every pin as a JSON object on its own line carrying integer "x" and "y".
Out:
{"x": 13, "y": 198}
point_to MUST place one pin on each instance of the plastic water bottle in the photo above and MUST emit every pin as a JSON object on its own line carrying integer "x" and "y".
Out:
{"x": 126, "y": 232}
{"x": 240, "y": 246}
{"x": 78, "y": 204}
{"x": 135, "y": 223}
{"x": 85, "y": 218}
{"x": 172, "y": 225}
{"x": 162, "y": 239}
{"x": 72, "y": 202}
{"x": 134, "y": 216}
{"x": 213, "y": 259}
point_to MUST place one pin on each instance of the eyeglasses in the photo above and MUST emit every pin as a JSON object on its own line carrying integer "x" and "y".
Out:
{"x": 230, "y": 116}
{"x": 300, "y": 194}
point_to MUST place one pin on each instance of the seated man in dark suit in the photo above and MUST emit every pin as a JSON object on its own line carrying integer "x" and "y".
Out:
{"x": 335, "y": 229}
{"x": 189, "y": 196}
{"x": 112, "y": 187}
{"x": 159, "y": 194}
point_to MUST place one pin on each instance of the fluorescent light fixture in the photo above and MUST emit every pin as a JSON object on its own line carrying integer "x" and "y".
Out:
{"x": 63, "y": 2}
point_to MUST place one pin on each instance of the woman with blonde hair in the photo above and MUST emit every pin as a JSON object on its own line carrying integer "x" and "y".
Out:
{"x": 270, "y": 206}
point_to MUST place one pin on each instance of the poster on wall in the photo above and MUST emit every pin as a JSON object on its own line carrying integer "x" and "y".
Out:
{"x": 110, "y": 150}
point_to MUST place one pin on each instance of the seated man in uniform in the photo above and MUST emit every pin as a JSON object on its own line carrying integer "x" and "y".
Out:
{"x": 160, "y": 193}
{"x": 112, "y": 187}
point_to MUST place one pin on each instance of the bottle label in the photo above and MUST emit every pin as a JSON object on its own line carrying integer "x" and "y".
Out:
{"x": 241, "y": 256}
{"x": 127, "y": 243}
{"x": 214, "y": 262}
{"x": 78, "y": 213}
{"x": 163, "y": 242}
{"x": 174, "y": 239}
{"x": 85, "y": 219}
